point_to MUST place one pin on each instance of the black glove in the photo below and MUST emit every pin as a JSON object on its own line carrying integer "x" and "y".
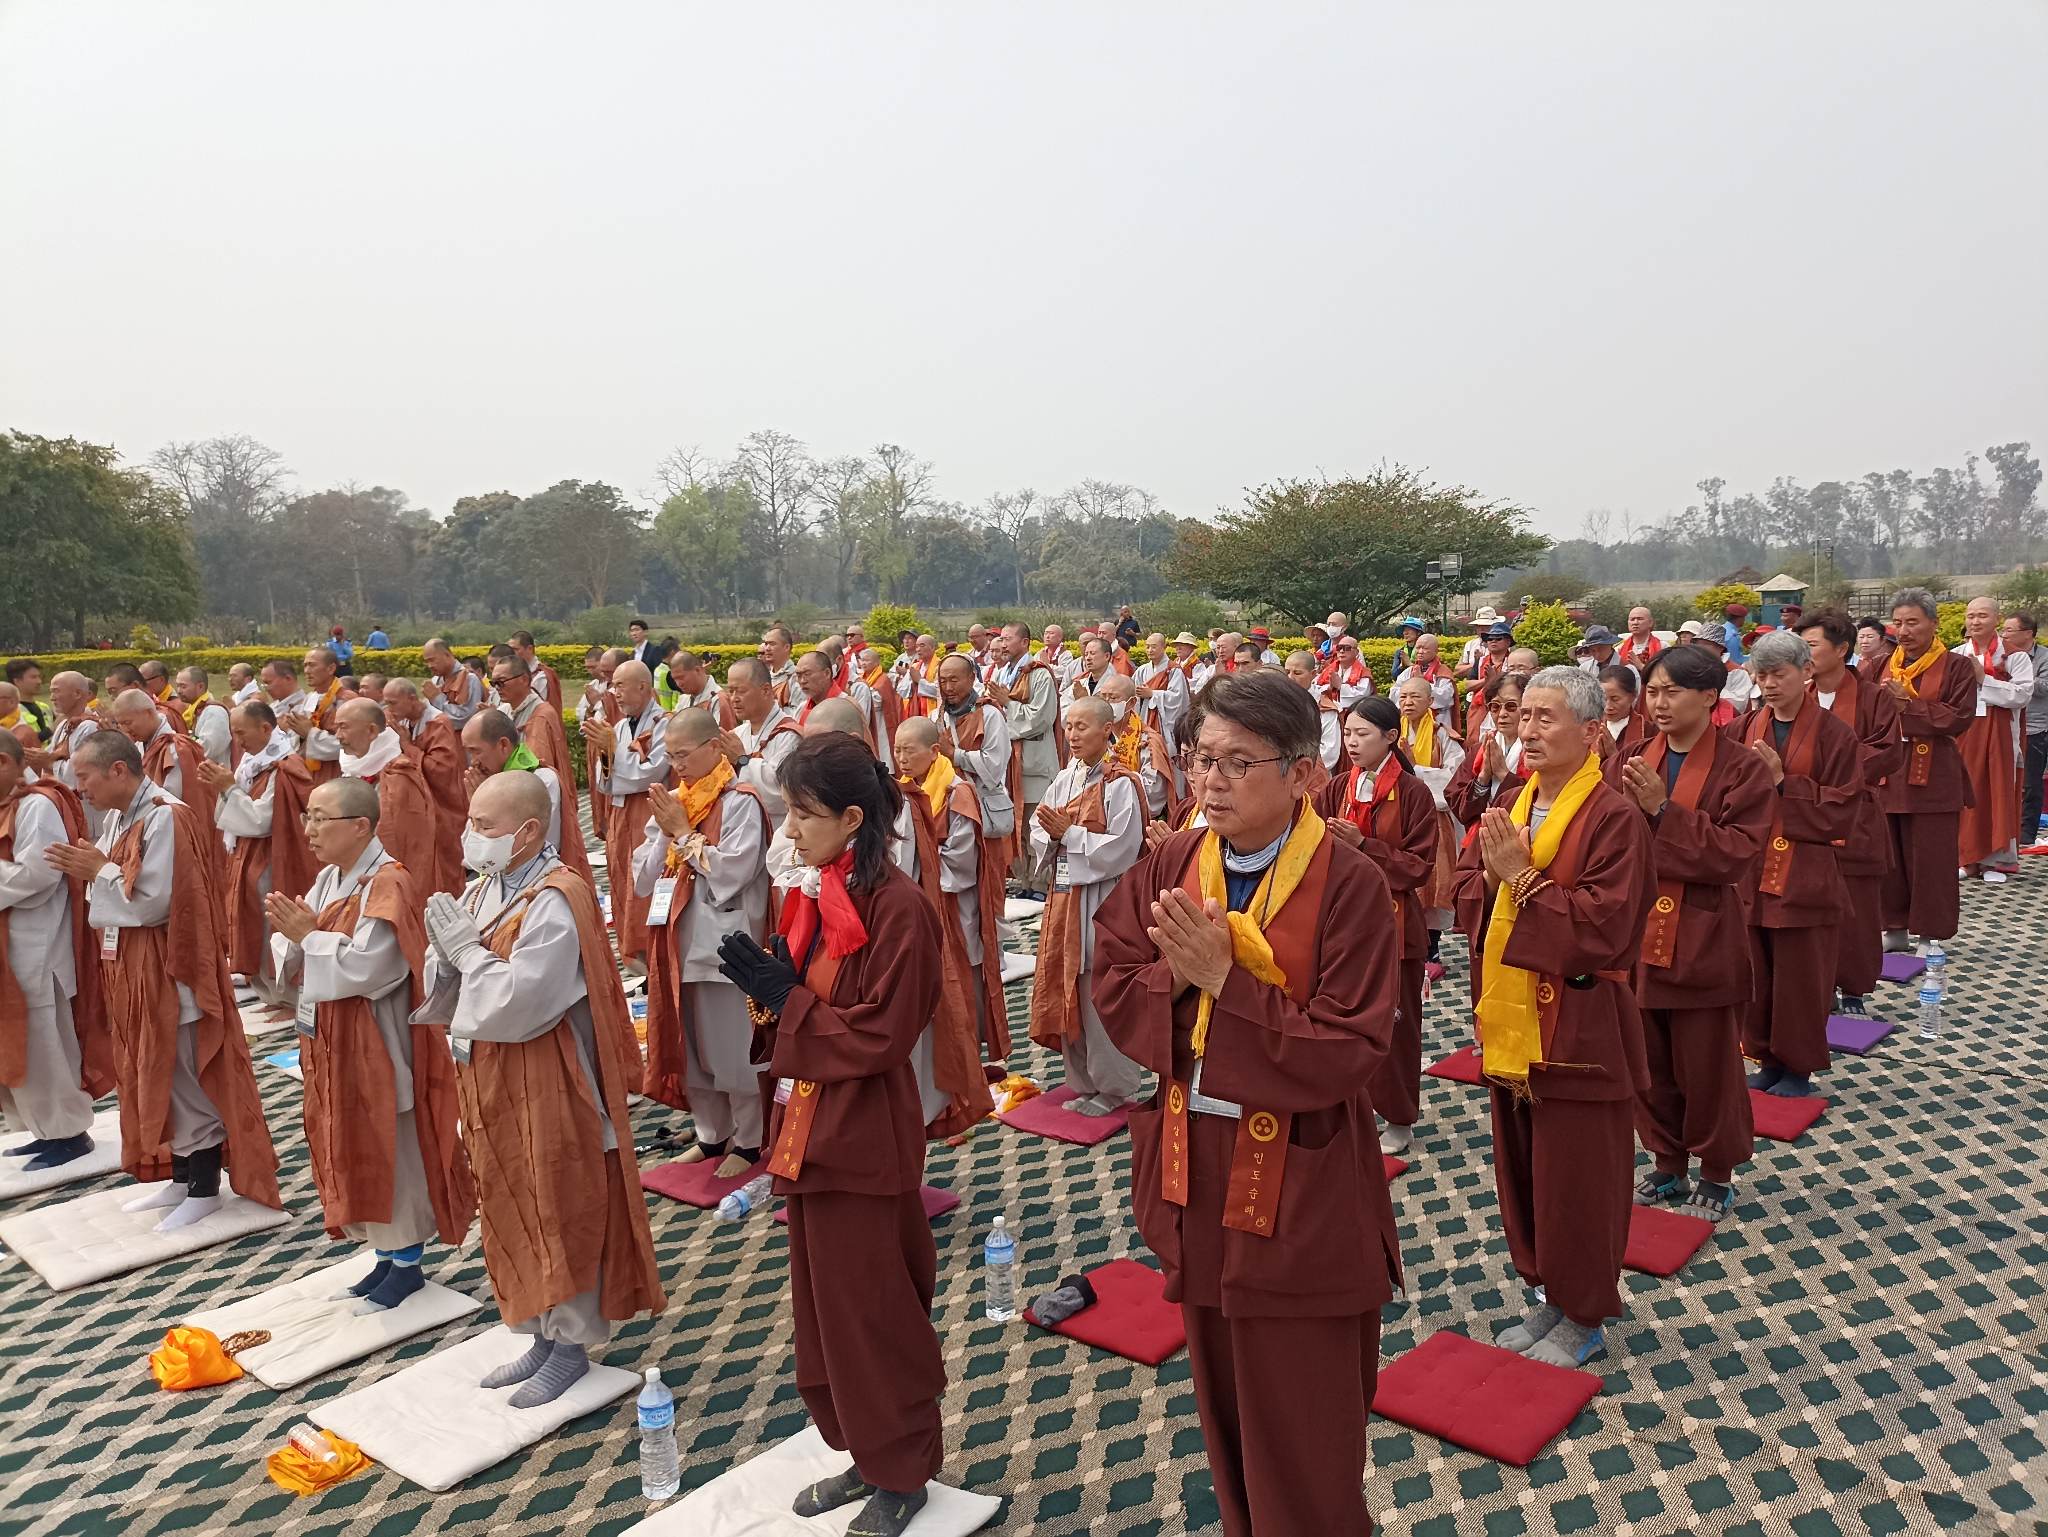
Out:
{"x": 765, "y": 976}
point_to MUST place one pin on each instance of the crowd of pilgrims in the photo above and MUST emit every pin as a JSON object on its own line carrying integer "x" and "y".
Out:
{"x": 1666, "y": 858}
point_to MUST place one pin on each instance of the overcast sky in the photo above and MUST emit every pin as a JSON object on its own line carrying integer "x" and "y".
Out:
{"x": 1575, "y": 255}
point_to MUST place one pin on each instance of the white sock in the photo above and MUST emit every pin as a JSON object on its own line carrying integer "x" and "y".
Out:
{"x": 156, "y": 1197}
{"x": 194, "y": 1208}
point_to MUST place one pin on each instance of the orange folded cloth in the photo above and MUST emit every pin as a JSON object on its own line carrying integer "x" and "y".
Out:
{"x": 291, "y": 1467}
{"x": 191, "y": 1358}
{"x": 1012, "y": 1092}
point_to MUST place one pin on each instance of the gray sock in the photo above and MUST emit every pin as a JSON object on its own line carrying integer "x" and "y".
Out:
{"x": 519, "y": 1370}
{"x": 1539, "y": 1322}
{"x": 1093, "y": 1104}
{"x": 887, "y": 1514}
{"x": 831, "y": 1493}
{"x": 564, "y": 1367}
{"x": 1569, "y": 1344}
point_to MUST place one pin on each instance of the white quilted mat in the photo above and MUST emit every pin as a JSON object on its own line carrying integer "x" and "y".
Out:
{"x": 436, "y": 1426}
{"x": 1016, "y": 909}
{"x": 311, "y": 1333}
{"x": 753, "y": 1500}
{"x": 77, "y": 1242}
{"x": 257, "y": 1023}
{"x": 105, "y": 1158}
{"x": 1017, "y": 967}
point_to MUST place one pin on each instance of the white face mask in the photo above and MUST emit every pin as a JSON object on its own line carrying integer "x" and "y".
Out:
{"x": 1119, "y": 708}
{"x": 487, "y": 855}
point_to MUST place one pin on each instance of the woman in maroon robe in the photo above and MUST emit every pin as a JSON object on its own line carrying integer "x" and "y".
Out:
{"x": 851, "y": 984}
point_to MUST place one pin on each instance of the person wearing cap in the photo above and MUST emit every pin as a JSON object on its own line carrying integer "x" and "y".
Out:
{"x": 1263, "y": 639}
{"x": 1595, "y": 649}
{"x": 1731, "y": 631}
{"x": 1410, "y": 629}
{"x": 1639, "y": 648}
{"x": 1692, "y": 630}
{"x": 1475, "y": 648}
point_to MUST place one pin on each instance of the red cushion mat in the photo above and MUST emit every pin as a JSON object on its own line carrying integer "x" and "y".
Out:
{"x": 1047, "y": 1115}
{"x": 693, "y": 1183}
{"x": 1661, "y": 1240}
{"x": 1461, "y": 1066}
{"x": 1485, "y": 1399}
{"x": 1131, "y": 1315}
{"x": 1784, "y": 1120}
{"x": 1396, "y": 1167}
{"x": 937, "y": 1202}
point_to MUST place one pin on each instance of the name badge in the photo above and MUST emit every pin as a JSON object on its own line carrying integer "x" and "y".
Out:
{"x": 783, "y": 1086}
{"x": 304, "y": 1016}
{"x": 1061, "y": 880}
{"x": 110, "y": 943}
{"x": 661, "y": 902}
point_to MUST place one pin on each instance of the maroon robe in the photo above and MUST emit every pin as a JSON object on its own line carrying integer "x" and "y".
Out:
{"x": 1924, "y": 801}
{"x": 867, "y": 1362}
{"x": 1866, "y": 861}
{"x": 1399, "y": 832}
{"x": 1283, "y": 1326}
{"x": 1798, "y": 905}
{"x": 438, "y": 752}
{"x": 1564, "y": 1151}
{"x": 1694, "y": 976}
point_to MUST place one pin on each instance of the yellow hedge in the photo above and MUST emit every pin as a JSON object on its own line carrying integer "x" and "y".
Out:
{"x": 399, "y": 661}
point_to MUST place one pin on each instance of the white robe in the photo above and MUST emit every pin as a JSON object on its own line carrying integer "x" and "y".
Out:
{"x": 35, "y": 898}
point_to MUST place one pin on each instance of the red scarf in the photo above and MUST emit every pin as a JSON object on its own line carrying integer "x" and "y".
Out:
{"x": 1358, "y": 674}
{"x": 802, "y": 913}
{"x": 1626, "y": 653}
{"x": 836, "y": 691}
{"x": 1360, "y": 814}
{"x": 1993, "y": 660}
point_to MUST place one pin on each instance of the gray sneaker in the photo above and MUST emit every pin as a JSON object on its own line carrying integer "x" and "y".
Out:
{"x": 1531, "y": 1331}
{"x": 1569, "y": 1344}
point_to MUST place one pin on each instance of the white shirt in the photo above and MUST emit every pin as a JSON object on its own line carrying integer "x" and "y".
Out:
{"x": 2015, "y": 691}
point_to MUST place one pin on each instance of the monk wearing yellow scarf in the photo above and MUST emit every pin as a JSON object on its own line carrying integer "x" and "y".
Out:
{"x": 1553, "y": 891}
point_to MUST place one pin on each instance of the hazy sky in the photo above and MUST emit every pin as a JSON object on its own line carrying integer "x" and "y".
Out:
{"x": 1574, "y": 255}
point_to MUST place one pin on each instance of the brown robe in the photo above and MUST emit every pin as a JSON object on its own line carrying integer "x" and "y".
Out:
{"x": 559, "y": 1213}
{"x": 1283, "y": 1326}
{"x": 1694, "y": 976}
{"x": 956, "y": 1036}
{"x": 1564, "y": 1150}
{"x": 160, "y": 754}
{"x": 666, "y": 1077}
{"x": 351, "y": 1105}
{"x": 1990, "y": 751}
{"x": 993, "y": 889}
{"x": 1925, "y": 799}
{"x": 867, "y": 1362}
{"x": 142, "y": 1007}
{"x": 623, "y": 827}
{"x": 1793, "y": 927}
{"x": 1399, "y": 832}
{"x": 438, "y": 752}
{"x": 1866, "y": 860}
{"x": 88, "y": 1006}
{"x": 547, "y": 741}
{"x": 405, "y": 817}
{"x": 966, "y": 733}
{"x": 1056, "y": 981}
{"x": 285, "y": 854}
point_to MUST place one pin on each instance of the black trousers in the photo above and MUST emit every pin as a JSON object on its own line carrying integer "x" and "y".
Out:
{"x": 2030, "y": 793}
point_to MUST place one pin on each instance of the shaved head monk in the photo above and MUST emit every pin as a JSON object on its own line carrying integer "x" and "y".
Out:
{"x": 259, "y": 808}
{"x": 522, "y": 972}
{"x": 493, "y": 745}
{"x": 1993, "y": 747}
{"x": 1936, "y": 693}
{"x": 431, "y": 742}
{"x": 451, "y": 690}
{"x": 629, "y": 762}
{"x": 1265, "y": 1033}
{"x": 540, "y": 724}
{"x": 372, "y": 752}
{"x": 837, "y": 715}
{"x": 1553, "y": 892}
{"x": 71, "y": 699}
{"x": 206, "y": 718}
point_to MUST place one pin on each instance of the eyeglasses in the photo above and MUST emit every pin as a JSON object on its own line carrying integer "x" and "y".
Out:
{"x": 1199, "y": 763}
{"x": 313, "y": 819}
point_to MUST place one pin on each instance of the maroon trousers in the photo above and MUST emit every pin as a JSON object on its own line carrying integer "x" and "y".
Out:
{"x": 1786, "y": 1023}
{"x": 1564, "y": 1171}
{"x": 1859, "y": 938}
{"x": 862, "y": 1269}
{"x": 1920, "y": 890}
{"x": 1697, "y": 1105}
{"x": 1396, "y": 1085}
{"x": 1283, "y": 1404}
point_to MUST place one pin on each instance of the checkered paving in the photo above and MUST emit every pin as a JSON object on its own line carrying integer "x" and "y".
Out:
{"x": 1860, "y": 1349}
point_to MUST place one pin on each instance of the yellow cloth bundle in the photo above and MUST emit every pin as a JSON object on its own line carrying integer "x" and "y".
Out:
{"x": 302, "y": 1472}
{"x": 191, "y": 1358}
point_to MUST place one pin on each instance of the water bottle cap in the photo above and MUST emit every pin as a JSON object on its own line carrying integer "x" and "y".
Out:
{"x": 653, "y": 1376}
{"x": 999, "y": 1222}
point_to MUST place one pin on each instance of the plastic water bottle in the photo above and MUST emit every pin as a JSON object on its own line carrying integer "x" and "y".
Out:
{"x": 999, "y": 1274}
{"x": 310, "y": 1442}
{"x": 661, "y": 1471}
{"x": 1937, "y": 967}
{"x": 738, "y": 1203}
{"x": 1930, "y": 1006}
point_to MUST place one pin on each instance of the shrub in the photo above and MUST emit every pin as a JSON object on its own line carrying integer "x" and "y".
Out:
{"x": 142, "y": 638}
{"x": 195, "y": 643}
{"x": 1948, "y": 622}
{"x": 886, "y": 621}
{"x": 1708, "y": 604}
{"x": 805, "y": 620}
{"x": 1548, "y": 630}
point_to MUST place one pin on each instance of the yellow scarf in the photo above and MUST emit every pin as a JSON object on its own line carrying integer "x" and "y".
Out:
{"x": 10, "y": 720}
{"x": 192, "y": 710}
{"x": 697, "y": 800}
{"x": 1129, "y": 744}
{"x": 1248, "y": 945}
{"x": 1510, "y": 1021}
{"x": 1910, "y": 673}
{"x": 1420, "y": 735}
{"x": 938, "y": 782}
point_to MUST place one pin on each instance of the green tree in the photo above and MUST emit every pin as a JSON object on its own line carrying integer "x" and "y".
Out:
{"x": 82, "y": 538}
{"x": 1566, "y": 587}
{"x": 1305, "y": 548}
{"x": 702, "y": 533}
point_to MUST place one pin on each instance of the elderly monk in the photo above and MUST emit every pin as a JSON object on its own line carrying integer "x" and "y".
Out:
{"x": 1553, "y": 893}
{"x": 1300, "y": 668}
{"x": 452, "y": 691}
{"x": 1994, "y": 747}
{"x": 1028, "y": 689}
{"x": 493, "y": 745}
{"x": 243, "y": 684}
{"x": 1861, "y": 704}
{"x": 943, "y": 853}
{"x": 546, "y": 681}
{"x": 371, "y": 686}
{"x": 169, "y": 757}
{"x": 816, "y": 680}
{"x": 380, "y": 1091}
{"x": 1936, "y": 693}
{"x": 189, "y": 1105}
{"x": 545, "y": 1057}
{"x": 154, "y": 679}
{"x": 314, "y": 720}
{"x": 540, "y": 724}
{"x": 259, "y": 808}
{"x": 15, "y": 721}
{"x": 628, "y": 762}
{"x": 1709, "y": 809}
{"x": 56, "y": 1056}
{"x": 431, "y": 742}
{"x": 974, "y": 734}
{"x": 765, "y": 736}
{"x": 702, "y": 867}
{"x": 915, "y": 677}
{"x": 696, "y": 689}
{"x": 776, "y": 643}
{"x": 372, "y": 752}
{"x": 279, "y": 679}
{"x": 71, "y": 699}
{"x": 1088, "y": 832}
{"x": 1163, "y": 687}
{"x": 1816, "y": 762}
{"x": 1231, "y": 961}
{"x": 206, "y": 718}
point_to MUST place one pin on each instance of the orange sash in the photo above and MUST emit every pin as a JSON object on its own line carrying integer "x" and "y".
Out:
{"x": 800, "y": 1113}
